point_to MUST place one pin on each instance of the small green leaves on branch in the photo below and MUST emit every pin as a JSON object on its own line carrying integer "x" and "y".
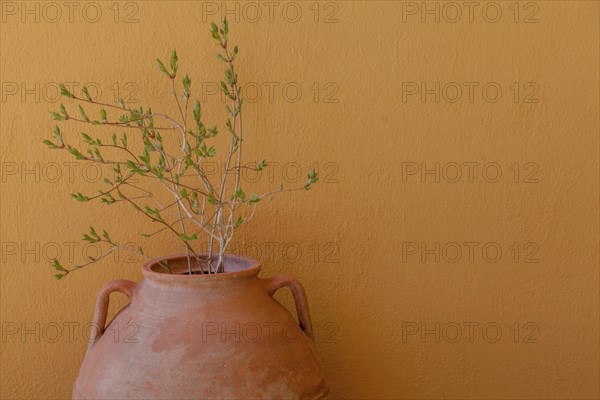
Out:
{"x": 187, "y": 82}
{"x": 190, "y": 201}
{"x": 202, "y": 151}
{"x": 239, "y": 221}
{"x": 79, "y": 197}
{"x": 92, "y": 237}
{"x": 188, "y": 238}
{"x": 76, "y": 153}
{"x": 86, "y": 93}
{"x": 50, "y": 144}
{"x": 239, "y": 195}
{"x": 82, "y": 113}
{"x": 197, "y": 112}
{"x": 65, "y": 92}
{"x": 154, "y": 213}
{"x": 312, "y": 179}
{"x": 60, "y": 144}
{"x": 173, "y": 64}
{"x": 174, "y": 60}
{"x": 134, "y": 168}
{"x": 57, "y": 117}
{"x": 108, "y": 199}
{"x": 89, "y": 140}
{"x": 254, "y": 198}
{"x": 62, "y": 272}
{"x": 63, "y": 111}
{"x": 211, "y": 199}
{"x": 162, "y": 68}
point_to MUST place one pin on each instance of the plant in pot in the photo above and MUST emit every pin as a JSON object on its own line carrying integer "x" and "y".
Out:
{"x": 206, "y": 326}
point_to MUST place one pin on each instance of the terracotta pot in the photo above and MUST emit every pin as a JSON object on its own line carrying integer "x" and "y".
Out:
{"x": 201, "y": 337}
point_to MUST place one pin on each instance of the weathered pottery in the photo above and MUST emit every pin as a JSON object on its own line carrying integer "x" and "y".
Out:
{"x": 218, "y": 336}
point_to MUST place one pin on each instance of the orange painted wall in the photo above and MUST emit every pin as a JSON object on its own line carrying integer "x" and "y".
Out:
{"x": 451, "y": 247}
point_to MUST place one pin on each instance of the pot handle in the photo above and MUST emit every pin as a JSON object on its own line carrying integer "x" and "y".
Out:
{"x": 299, "y": 294}
{"x": 120, "y": 285}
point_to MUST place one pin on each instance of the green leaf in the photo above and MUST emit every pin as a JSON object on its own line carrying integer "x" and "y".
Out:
{"x": 312, "y": 178}
{"x": 57, "y": 265}
{"x": 59, "y": 276}
{"x": 239, "y": 194}
{"x": 261, "y": 165}
{"x": 240, "y": 220}
{"x": 161, "y": 67}
{"x": 214, "y": 31}
{"x": 86, "y": 93}
{"x": 225, "y": 26}
{"x": 212, "y": 132}
{"x": 82, "y": 113}
{"x": 103, "y": 114}
{"x": 87, "y": 138}
{"x": 50, "y": 144}
{"x": 211, "y": 198}
{"x": 108, "y": 200}
{"x": 153, "y": 212}
{"x": 65, "y": 92}
{"x": 79, "y": 197}
{"x": 197, "y": 111}
{"x": 186, "y": 86}
{"x": 56, "y": 116}
{"x": 75, "y": 153}
{"x": 63, "y": 111}
{"x": 105, "y": 235}
{"x": 133, "y": 167}
{"x": 187, "y": 238}
{"x": 174, "y": 60}
{"x": 98, "y": 155}
{"x": 225, "y": 90}
{"x": 254, "y": 198}
{"x": 89, "y": 239}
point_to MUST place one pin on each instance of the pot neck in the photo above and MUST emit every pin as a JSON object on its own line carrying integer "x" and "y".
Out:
{"x": 237, "y": 269}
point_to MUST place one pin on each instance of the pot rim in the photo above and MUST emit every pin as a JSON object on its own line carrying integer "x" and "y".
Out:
{"x": 249, "y": 267}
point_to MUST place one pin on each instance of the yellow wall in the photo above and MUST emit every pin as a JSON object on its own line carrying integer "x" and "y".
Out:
{"x": 360, "y": 241}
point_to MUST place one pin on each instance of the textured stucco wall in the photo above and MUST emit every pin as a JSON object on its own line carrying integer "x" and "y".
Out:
{"x": 401, "y": 265}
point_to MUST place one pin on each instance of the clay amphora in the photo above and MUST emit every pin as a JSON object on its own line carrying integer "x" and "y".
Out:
{"x": 204, "y": 336}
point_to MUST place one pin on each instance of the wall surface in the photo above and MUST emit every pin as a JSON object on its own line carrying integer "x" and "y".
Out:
{"x": 450, "y": 249}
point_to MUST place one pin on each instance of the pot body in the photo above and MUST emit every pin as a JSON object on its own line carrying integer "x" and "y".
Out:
{"x": 205, "y": 336}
